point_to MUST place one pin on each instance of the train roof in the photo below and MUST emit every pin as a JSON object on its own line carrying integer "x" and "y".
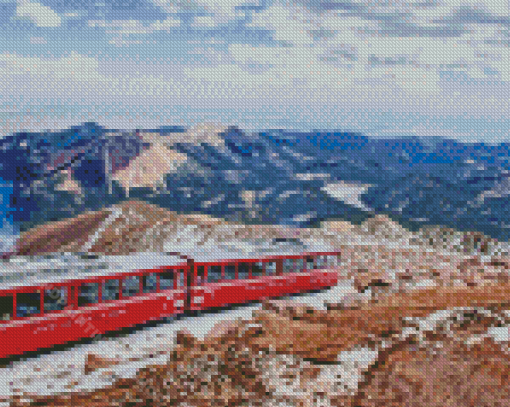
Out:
{"x": 38, "y": 270}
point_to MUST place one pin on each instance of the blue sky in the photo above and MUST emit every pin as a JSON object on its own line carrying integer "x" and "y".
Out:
{"x": 424, "y": 67}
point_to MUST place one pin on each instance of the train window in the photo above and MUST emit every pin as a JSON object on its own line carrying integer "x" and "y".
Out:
{"x": 243, "y": 271}
{"x": 335, "y": 260}
{"x": 270, "y": 268}
{"x": 214, "y": 274}
{"x": 289, "y": 266}
{"x": 230, "y": 272}
{"x": 55, "y": 299}
{"x": 310, "y": 263}
{"x": 332, "y": 260}
{"x": 28, "y": 304}
{"x": 327, "y": 261}
{"x": 200, "y": 275}
{"x": 6, "y": 307}
{"x": 166, "y": 280}
{"x": 300, "y": 265}
{"x": 257, "y": 270}
{"x": 130, "y": 286}
{"x": 89, "y": 294}
{"x": 111, "y": 290}
{"x": 180, "y": 278}
{"x": 150, "y": 283}
{"x": 320, "y": 262}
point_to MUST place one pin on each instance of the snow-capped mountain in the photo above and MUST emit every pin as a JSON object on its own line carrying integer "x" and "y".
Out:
{"x": 274, "y": 176}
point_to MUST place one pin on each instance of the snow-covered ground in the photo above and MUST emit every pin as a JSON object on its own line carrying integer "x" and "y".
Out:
{"x": 63, "y": 371}
{"x": 348, "y": 192}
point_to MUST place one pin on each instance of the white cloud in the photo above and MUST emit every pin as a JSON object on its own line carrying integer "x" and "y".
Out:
{"x": 37, "y": 40}
{"x": 128, "y": 27}
{"x": 289, "y": 24}
{"x": 204, "y": 21}
{"x": 218, "y": 11}
{"x": 166, "y": 24}
{"x": 40, "y": 15}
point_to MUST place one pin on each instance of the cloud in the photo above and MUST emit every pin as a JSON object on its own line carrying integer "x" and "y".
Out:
{"x": 37, "y": 40}
{"x": 128, "y": 27}
{"x": 208, "y": 13}
{"x": 123, "y": 30}
{"x": 41, "y": 16}
{"x": 287, "y": 24}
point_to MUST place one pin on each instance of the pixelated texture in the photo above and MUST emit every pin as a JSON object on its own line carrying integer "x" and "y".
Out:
{"x": 171, "y": 172}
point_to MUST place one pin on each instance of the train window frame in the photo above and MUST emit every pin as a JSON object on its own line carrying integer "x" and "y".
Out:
{"x": 63, "y": 300}
{"x": 179, "y": 278}
{"x": 3, "y": 318}
{"x": 125, "y": 292}
{"x": 231, "y": 274}
{"x": 270, "y": 265}
{"x": 213, "y": 271}
{"x": 19, "y": 296}
{"x": 144, "y": 285}
{"x": 320, "y": 262}
{"x": 88, "y": 284}
{"x": 288, "y": 266}
{"x": 118, "y": 293}
{"x": 244, "y": 275}
{"x": 257, "y": 271}
{"x": 200, "y": 275}
{"x": 165, "y": 273}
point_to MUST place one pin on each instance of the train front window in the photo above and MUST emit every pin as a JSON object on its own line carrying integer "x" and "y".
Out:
{"x": 111, "y": 290}
{"x": 230, "y": 272}
{"x": 55, "y": 299}
{"x": 150, "y": 283}
{"x": 214, "y": 274}
{"x": 166, "y": 281}
{"x": 89, "y": 294}
{"x": 336, "y": 260}
{"x": 6, "y": 307}
{"x": 244, "y": 271}
{"x": 320, "y": 262}
{"x": 130, "y": 286}
{"x": 28, "y": 304}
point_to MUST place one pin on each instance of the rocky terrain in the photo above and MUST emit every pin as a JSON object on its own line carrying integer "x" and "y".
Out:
{"x": 426, "y": 325}
{"x": 396, "y": 346}
{"x": 137, "y": 226}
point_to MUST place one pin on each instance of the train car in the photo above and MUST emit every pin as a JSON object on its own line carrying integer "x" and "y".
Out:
{"x": 43, "y": 305}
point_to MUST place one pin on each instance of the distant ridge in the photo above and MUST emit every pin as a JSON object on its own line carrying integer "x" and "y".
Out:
{"x": 280, "y": 177}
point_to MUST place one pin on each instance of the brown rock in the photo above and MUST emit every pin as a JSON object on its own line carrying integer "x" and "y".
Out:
{"x": 95, "y": 362}
{"x": 186, "y": 339}
{"x": 365, "y": 278}
{"x": 451, "y": 374}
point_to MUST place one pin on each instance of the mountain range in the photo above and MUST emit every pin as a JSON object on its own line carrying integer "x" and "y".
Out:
{"x": 278, "y": 177}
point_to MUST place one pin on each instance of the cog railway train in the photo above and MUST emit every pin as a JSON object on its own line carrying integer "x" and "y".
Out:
{"x": 54, "y": 302}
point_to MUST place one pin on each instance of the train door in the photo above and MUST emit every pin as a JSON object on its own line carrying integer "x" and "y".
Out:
{"x": 190, "y": 273}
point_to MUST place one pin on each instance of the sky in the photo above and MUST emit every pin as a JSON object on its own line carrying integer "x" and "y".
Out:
{"x": 383, "y": 67}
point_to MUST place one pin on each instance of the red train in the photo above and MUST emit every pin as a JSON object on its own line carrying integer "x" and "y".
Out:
{"x": 58, "y": 305}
